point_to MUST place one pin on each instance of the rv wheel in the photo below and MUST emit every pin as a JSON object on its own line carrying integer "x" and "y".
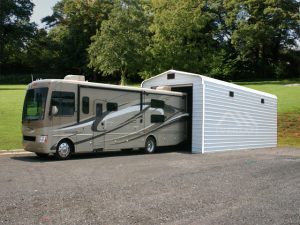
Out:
{"x": 150, "y": 145}
{"x": 63, "y": 150}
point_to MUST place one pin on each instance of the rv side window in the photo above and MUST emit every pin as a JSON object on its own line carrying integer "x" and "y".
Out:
{"x": 157, "y": 103}
{"x": 99, "y": 110}
{"x": 86, "y": 105}
{"x": 157, "y": 118}
{"x": 111, "y": 106}
{"x": 64, "y": 101}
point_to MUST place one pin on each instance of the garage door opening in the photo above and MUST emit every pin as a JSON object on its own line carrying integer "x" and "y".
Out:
{"x": 188, "y": 90}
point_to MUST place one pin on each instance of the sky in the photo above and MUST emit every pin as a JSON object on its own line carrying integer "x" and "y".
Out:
{"x": 42, "y": 9}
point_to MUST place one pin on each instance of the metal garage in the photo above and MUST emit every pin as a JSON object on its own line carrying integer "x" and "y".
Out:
{"x": 224, "y": 116}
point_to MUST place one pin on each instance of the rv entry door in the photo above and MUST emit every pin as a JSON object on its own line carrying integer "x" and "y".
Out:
{"x": 98, "y": 126}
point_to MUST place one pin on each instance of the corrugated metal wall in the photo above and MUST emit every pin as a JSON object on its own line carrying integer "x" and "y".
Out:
{"x": 197, "y": 118}
{"x": 239, "y": 122}
{"x": 230, "y": 123}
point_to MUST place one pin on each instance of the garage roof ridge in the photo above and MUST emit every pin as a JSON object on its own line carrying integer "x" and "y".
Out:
{"x": 209, "y": 79}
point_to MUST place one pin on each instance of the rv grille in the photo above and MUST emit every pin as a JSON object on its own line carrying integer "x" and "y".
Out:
{"x": 29, "y": 138}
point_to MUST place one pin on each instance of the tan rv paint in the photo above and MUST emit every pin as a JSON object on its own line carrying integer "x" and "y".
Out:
{"x": 126, "y": 128}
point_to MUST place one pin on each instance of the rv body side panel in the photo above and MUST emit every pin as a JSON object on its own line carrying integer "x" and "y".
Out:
{"x": 88, "y": 100}
{"x": 63, "y": 96}
{"x": 171, "y": 129}
{"x": 114, "y": 117}
{"x": 123, "y": 124}
{"x": 238, "y": 119}
{"x": 117, "y": 119}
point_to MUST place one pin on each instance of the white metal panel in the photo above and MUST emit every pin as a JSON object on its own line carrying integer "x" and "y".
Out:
{"x": 197, "y": 132}
{"x": 221, "y": 83}
{"x": 212, "y": 80}
{"x": 239, "y": 122}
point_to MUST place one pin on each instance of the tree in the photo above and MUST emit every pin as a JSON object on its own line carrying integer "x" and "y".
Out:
{"x": 226, "y": 39}
{"x": 260, "y": 31}
{"x": 119, "y": 46}
{"x": 72, "y": 24}
{"x": 42, "y": 53}
{"x": 184, "y": 35}
{"x": 15, "y": 30}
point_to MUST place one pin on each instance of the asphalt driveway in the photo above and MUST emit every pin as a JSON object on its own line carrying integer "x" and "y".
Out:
{"x": 239, "y": 187}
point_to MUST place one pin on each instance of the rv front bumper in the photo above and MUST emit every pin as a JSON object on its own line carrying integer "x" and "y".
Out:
{"x": 31, "y": 146}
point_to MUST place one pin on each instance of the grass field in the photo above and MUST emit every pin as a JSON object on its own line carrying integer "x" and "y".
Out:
{"x": 11, "y": 102}
{"x": 12, "y": 97}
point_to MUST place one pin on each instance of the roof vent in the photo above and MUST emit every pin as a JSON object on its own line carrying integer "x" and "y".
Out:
{"x": 164, "y": 88}
{"x": 171, "y": 76}
{"x": 75, "y": 77}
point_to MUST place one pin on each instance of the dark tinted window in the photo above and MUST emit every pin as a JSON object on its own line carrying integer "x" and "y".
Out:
{"x": 157, "y": 118}
{"x": 111, "y": 106}
{"x": 64, "y": 101}
{"x": 171, "y": 76}
{"x": 99, "y": 110}
{"x": 86, "y": 105}
{"x": 157, "y": 103}
{"x": 262, "y": 101}
{"x": 231, "y": 93}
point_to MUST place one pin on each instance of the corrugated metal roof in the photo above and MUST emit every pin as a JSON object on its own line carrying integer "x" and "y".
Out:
{"x": 205, "y": 78}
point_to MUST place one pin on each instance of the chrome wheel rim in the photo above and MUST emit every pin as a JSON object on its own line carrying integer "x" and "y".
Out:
{"x": 150, "y": 146}
{"x": 64, "y": 150}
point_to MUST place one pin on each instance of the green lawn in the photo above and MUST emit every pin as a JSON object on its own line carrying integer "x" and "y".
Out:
{"x": 12, "y": 97}
{"x": 11, "y": 102}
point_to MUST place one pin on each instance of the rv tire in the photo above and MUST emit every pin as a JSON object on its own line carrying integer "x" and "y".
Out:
{"x": 64, "y": 150}
{"x": 150, "y": 145}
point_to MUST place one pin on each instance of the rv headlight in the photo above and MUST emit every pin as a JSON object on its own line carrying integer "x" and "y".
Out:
{"x": 42, "y": 139}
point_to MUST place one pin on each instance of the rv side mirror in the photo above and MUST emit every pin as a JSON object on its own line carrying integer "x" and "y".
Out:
{"x": 54, "y": 110}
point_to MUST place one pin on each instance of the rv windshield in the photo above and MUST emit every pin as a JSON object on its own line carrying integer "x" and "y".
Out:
{"x": 34, "y": 105}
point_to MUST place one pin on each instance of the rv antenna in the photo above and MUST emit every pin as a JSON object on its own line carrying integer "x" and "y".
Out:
{"x": 31, "y": 78}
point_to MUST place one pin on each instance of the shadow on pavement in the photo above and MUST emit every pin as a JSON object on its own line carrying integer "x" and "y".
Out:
{"x": 90, "y": 155}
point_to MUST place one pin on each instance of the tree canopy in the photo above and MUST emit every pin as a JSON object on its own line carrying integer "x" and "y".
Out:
{"x": 73, "y": 23}
{"x": 231, "y": 40}
{"x": 15, "y": 30}
{"x": 120, "y": 43}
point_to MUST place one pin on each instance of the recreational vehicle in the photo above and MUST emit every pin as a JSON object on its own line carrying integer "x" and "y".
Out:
{"x": 70, "y": 115}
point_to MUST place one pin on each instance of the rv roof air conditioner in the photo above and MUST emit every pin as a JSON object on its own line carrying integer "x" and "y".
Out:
{"x": 75, "y": 77}
{"x": 164, "y": 88}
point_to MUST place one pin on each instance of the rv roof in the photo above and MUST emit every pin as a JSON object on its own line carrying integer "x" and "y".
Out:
{"x": 111, "y": 86}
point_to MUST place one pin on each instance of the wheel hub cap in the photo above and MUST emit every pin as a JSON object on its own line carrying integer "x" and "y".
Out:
{"x": 150, "y": 146}
{"x": 64, "y": 150}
